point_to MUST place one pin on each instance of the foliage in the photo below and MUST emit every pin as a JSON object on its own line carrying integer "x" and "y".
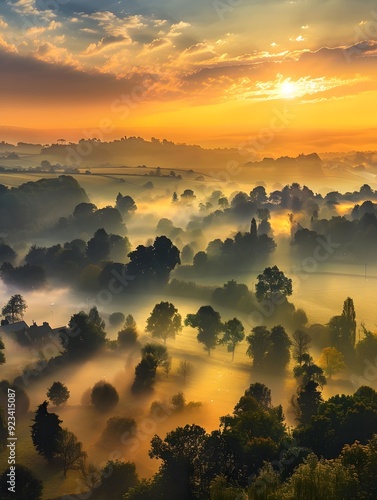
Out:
{"x": 233, "y": 335}
{"x": 14, "y": 309}
{"x": 208, "y": 322}
{"x": 58, "y": 393}
{"x": 272, "y": 284}
{"x": 45, "y": 432}
{"x": 70, "y": 451}
{"x": 86, "y": 334}
{"x": 332, "y": 361}
{"x": 104, "y": 396}
{"x": 269, "y": 349}
{"x": 164, "y": 321}
{"x": 28, "y": 486}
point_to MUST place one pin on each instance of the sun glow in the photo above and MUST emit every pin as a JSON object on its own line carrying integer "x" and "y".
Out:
{"x": 288, "y": 89}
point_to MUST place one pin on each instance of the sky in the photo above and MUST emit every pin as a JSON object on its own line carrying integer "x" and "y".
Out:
{"x": 287, "y": 76}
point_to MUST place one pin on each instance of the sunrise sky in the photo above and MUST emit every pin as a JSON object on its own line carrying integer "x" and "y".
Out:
{"x": 216, "y": 73}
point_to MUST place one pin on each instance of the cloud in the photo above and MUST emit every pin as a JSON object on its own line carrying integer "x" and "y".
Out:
{"x": 28, "y": 79}
{"x": 104, "y": 43}
{"x": 3, "y": 24}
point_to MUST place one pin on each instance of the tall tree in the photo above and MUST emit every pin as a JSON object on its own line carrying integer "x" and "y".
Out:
{"x": 15, "y": 308}
{"x": 208, "y": 322}
{"x": 259, "y": 342}
{"x": 164, "y": 321}
{"x": 45, "y": 432}
{"x": 2, "y": 347}
{"x": 58, "y": 393}
{"x": 300, "y": 344}
{"x": 70, "y": 451}
{"x": 278, "y": 354}
{"x": 3, "y": 431}
{"x": 234, "y": 333}
{"x": 272, "y": 284}
{"x": 348, "y": 326}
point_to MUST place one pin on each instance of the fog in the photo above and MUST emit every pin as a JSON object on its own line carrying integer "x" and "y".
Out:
{"x": 322, "y": 278}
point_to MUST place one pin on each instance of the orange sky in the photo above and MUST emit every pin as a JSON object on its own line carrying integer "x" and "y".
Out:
{"x": 289, "y": 76}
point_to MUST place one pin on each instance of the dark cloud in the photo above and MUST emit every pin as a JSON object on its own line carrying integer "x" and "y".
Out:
{"x": 26, "y": 78}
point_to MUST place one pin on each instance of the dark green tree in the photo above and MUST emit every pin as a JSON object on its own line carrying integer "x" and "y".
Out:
{"x": 164, "y": 321}
{"x": 145, "y": 374}
{"x": 2, "y": 347}
{"x": 278, "y": 354}
{"x": 3, "y": 431}
{"x": 259, "y": 343}
{"x": 45, "y": 432}
{"x": 128, "y": 335}
{"x": 14, "y": 309}
{"x": 117, "y": 479}
{"x": 158, "y": 351}
{"x": 208, "y": 322}
{"x": 28, "y": 486}
{"x": 308, "y": 371}
{"x": 234, "y": 333}
{"x": 183, "y": 469}
{"x": 58, "y": 393}
{"x": 272, "y": 284}
{"x": 86, "y": 334}
{"x": 104, "y": 396}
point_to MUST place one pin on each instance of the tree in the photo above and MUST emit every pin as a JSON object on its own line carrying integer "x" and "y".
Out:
{"x": 70, "y": 451}
{"x": 184, "y": 369}
{"x": 261, "y": 393}
{"x": 343, "y": 329}
{"x": 15, "y": 308}
{"x": 128, "y": 335}
{"x": 117, "y": 479}
{"x": 166, "y": 366}
{"x": 2, "y": 347}
{"x": 58, "y": 393}
{"x": 145, "y": 374}
{"x": 104, "y": 396}
{"x": 308, "y": 371}
{"x": 117, "y": 429}
{"x": 321, "y": 479}
{"x": 98, "y": 248}
{"x": 348, "y": 326}
{"x": 332, "y": 361}
{"x": 300, "y": 343}
{"x": 158, "y": 351}
{"x": 164, "y": 321}
{"x": 272, "y": 284}
{"x": 233, "y": 334}
{"x": 183, "y": 465}
{"x": 3, "y": 431}
{"x": 28, "y": 486}
{"x": 307, "y": 402}
{"x": 208, "y": 322}
{"x": 45, "y": 432}
{"x": 259, "y": 342}
{"x": 116, "y": 318}
{"x": 278, "y": 354}
{"x": 86, "y": 334}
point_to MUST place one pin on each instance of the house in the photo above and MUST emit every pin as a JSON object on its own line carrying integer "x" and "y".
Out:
{"x": 34, "y": 334}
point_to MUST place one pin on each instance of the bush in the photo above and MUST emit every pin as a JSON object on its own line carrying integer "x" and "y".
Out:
{"x": 118, "y": 429}
{"x": 116, "y": 318}
{"x": 104, "y": 396}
